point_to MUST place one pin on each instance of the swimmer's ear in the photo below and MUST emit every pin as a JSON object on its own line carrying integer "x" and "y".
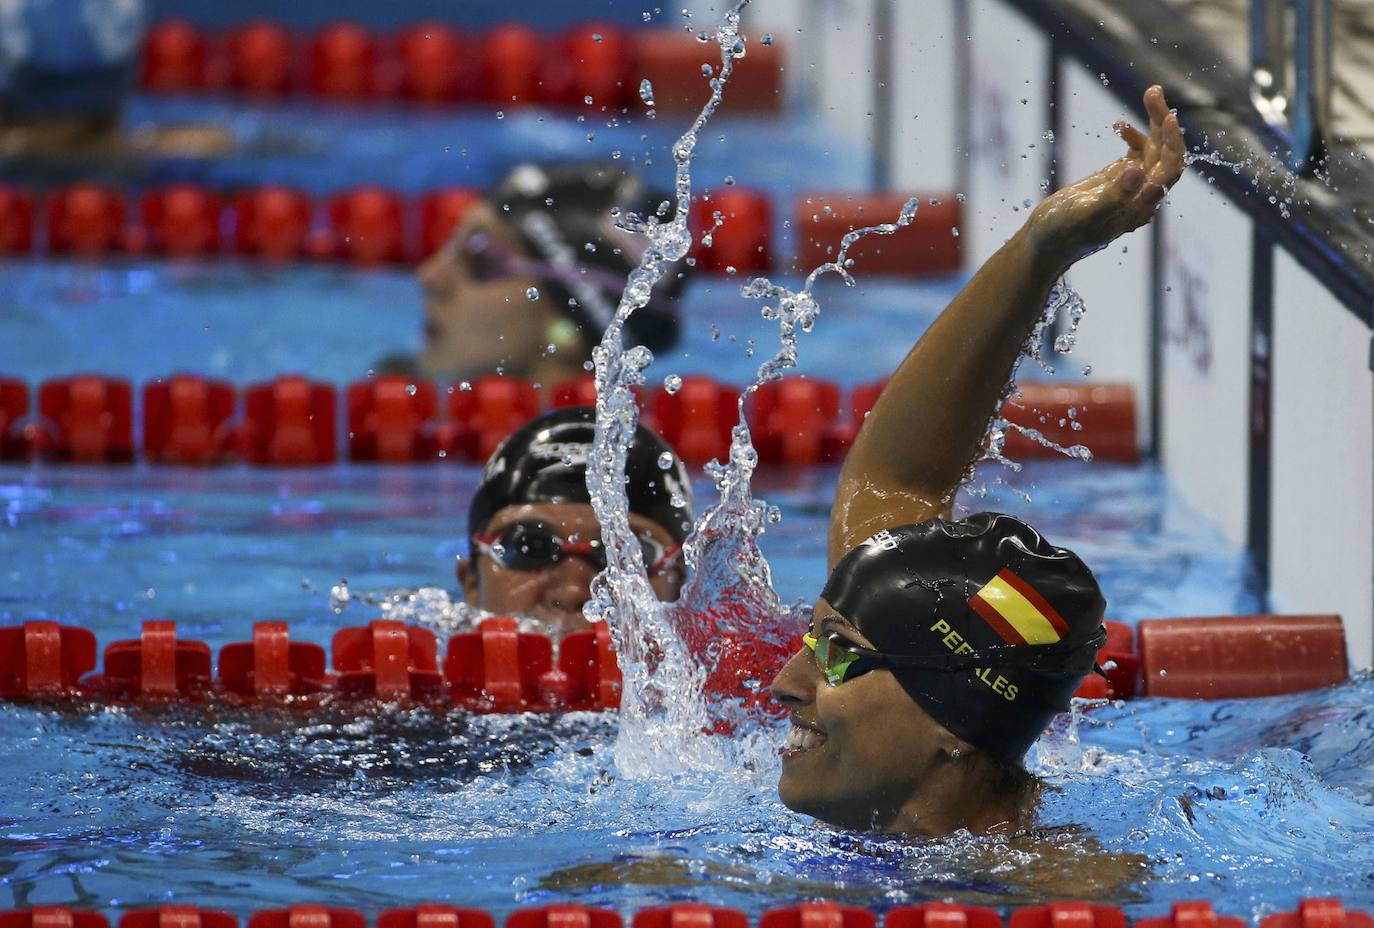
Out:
{"x": 468, "y": 579}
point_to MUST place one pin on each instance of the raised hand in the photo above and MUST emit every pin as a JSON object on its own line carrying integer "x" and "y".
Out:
{"x": 1085, "y": 217}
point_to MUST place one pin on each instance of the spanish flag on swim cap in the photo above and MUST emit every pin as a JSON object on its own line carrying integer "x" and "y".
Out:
{"x": 1018, "y": 618}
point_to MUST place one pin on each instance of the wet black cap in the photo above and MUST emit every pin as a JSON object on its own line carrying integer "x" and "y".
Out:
{"x": 558, "y": 211}
{"x": 1019, "y": 619}
{"x": 545, "y": 461}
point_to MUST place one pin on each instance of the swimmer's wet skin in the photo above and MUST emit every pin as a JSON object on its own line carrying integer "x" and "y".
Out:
{"x": 535, "y": 541}
{"x": 939, "y": 650}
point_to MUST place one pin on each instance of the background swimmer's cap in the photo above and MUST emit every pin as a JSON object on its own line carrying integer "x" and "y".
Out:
{"x": 985, "y": 582}
{"x": 557, "y": 211}
{"x": 545, "y": 461}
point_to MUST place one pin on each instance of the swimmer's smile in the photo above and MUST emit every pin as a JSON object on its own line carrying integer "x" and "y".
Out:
{"x": 801, "y": 738}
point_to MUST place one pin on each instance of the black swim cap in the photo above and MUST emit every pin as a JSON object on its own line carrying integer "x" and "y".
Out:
{"x": 558, "y": 211}
{"x": 1019, "y": 619}
{"x": 545, "y": 461}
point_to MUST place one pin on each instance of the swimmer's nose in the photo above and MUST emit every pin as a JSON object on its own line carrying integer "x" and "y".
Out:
{"x": 795, "y": 685}
{"x": 570, "y": 585}
{"x": 436, "y": 273}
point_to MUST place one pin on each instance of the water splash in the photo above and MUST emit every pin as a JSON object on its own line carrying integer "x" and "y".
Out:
{"x": 664, "y": 650}
{"x": 661, "y": 709}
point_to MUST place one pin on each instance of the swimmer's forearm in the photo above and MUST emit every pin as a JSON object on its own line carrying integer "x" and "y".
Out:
{"x": 925, "y": 430}
{"x": 928, "y": 425}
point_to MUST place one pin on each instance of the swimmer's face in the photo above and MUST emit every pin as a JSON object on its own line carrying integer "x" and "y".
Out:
{"x": 557, "y": 593}
{"x": 859, "y": 754}
{"x": 478, "y": 315}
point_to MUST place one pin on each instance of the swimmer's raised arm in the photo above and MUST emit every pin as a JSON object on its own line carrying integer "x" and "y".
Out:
{"x": 927, "y": 426}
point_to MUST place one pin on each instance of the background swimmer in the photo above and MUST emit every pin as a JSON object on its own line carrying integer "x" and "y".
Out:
{"x": 539, "y": 263}
{"x": 535, "y": 541}
{"x": 886, "y": 734}
{"x": 66, "y": 67}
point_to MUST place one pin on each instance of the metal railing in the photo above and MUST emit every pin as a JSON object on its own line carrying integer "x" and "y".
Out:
{"x": 1294, "y": 98}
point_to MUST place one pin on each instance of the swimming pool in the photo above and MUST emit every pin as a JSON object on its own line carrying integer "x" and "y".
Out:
{"x": 1249, "y": 804}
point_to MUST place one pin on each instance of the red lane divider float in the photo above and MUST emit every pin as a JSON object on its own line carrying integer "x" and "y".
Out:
{"x": 1311, "y": 913}
{"x": 177, "y": 916}
{"x": 436, "y": 64}
{"x": 431, "y": 915}
{"x": 392, "y": 419}
{"x": 690, "y": 915}
{"x": 308, "y": 916}
{"x": 16, "y": 221}
{"x": 732, "y": 229}
{"x": 372, "y": 226}
{"x": 1067, "y": 915}
{"x": 929, "y": 245}
{"x": 14, "y": 406}
{"x": 181, "y": 221}
{"x": 85, "y": 420}
{"x": 44, "y": 660}
{"x": 498, "y": 668}
{"x": 272, "y": 667}
{"x": 1319, "y": 913}
{"x": 389, "y": 661}
{"x": 942, "y": 915}
{"x": 86, "y": 220}
{"x": 291, "y": 421}
{"x": 1191, "y": 915}
{"x": 272, "y": 223}
{"x": 259, "y": 59}
{"x": 1101, "y": 416}
{"x": 188, "y": 420}
{"x": 564, "y": 916}
{"x": 1229, "y": 657}
{"x": 818, "y": 915}
{"x": 482, "y": 415}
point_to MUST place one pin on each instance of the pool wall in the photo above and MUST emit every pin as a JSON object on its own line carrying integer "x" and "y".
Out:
{"x": 1242, "y": 312}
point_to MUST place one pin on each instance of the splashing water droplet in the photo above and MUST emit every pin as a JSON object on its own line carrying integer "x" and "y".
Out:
{"x": 532, "y": 293}
{"x": 665, "y": 461}
{"x": 646, "y": 92}
{"x": 339, "y": 596}
{"x": 766, "y": 39}
{"x": 672, "y": 383}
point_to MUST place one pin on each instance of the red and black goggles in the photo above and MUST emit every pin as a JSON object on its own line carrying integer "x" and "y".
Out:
{"x": 528, "y": 546}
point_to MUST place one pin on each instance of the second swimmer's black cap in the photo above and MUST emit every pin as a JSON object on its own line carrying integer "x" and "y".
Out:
{"x": 1017, "y": 621}
{"x": 562, "y": 214}
{"x": 545, "y": 461}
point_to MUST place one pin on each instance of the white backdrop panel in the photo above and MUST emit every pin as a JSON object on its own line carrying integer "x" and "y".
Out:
{"x": 1322, "y": 546}
{"x": 1206, "y": 369}
{"x": 1008, "y": 100}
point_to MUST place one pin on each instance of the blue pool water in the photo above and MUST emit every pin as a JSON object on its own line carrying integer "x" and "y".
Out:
{"x": 1249, "y": 804}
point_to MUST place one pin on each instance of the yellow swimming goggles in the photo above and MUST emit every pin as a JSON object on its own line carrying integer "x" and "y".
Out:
{"x": 841, "y": 660}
